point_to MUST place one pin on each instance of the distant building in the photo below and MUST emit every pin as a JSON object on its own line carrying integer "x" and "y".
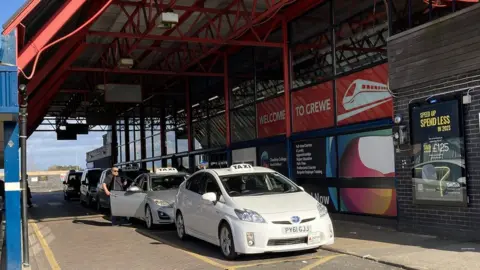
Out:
{"x": 102, "y": 156}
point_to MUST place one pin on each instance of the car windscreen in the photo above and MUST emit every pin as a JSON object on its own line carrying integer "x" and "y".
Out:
{"x": 130, "y": 175}
{"x": 166, "y": 182}
{"x": 254, "y": 184}
{"x": 93, "y": 177}
{"x": 74, "y": 178}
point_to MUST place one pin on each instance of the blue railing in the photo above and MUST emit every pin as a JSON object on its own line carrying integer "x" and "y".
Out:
{"x": 7, "y": 49}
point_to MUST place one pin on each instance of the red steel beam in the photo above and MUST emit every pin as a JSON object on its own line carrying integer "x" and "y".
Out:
{"x": 146, "y": 48}
{"x": 48, "y": 31}
{"x": 192, "y": 8}
{"x": 145, "y": 72}
{"x": 60, "y": 54}
{"x": 51, "y": 64}
{"x": 187, "y": 39}
{"x": 41, "y": 102}
{"x": 226, "y": 92}
{"x": 181, "y": 20}
{"x": 286, "y": 77}
{"x": 20, "y": 16}
{"x": 74, "y": 91}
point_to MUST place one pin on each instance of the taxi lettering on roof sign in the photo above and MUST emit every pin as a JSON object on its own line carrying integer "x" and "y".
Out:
{"x": 237, "y": 167}
{"x": 165, "y": 170}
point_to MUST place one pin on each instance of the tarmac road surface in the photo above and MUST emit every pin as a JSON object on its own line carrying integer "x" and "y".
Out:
{"x": 66, "y": 235}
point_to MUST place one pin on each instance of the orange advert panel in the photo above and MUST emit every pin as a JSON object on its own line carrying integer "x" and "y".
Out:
{"x": 364, "y": 96}
{"x": 312, "y": 108}
{"x": 271, "y": 117}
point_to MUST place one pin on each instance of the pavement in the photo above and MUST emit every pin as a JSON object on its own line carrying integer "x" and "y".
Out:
{"x": 405, "y": 250}
{"x": 66, "y": 235}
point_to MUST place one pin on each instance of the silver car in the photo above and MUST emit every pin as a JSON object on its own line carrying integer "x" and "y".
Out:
{"x": 150, "y": 197}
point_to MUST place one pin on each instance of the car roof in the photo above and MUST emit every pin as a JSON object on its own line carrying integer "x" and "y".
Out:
{"x": 237, "y": 169}
{"x": 168, "y": 174}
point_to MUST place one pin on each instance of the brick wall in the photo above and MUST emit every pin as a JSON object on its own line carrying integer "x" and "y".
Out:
{"x": 442, "y": 220}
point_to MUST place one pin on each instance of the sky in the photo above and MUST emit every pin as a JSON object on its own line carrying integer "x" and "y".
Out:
{"x": 43, "y": 149}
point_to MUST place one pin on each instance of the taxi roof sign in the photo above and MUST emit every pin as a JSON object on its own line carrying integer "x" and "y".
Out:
{"x": 166, "y": 170}
{"x": 239, "y": 167}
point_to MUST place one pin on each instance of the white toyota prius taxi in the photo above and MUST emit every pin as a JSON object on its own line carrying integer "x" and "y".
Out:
{"x": 248, "y": 210}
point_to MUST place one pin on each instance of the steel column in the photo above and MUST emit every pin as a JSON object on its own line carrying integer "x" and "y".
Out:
{"x": 188, "y": 124}
{"x": 163, "y": 136}
{"x": 114, "y": 144}
{"x": 226, "y": 92}
{"x": 143, "y": 145}
{"x": 127, "y": 139}
{"x": 49, "y": 30}
{"x": 389, "y": 16}
{"x": 13, "y": 233}
{"x": 23, "y": 174}
{"x": 286, "y": 86}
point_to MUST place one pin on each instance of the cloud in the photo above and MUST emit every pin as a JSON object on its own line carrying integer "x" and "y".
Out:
{"x": 43, "y": 149}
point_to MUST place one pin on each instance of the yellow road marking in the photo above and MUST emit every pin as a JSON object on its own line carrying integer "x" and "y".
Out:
{"x": 195, "y": 255}
{"x": 48, "y": 252}
{"x": 320, "y": 262}
{"x": 32, "y": 220}
{"x": 273, "y": 262}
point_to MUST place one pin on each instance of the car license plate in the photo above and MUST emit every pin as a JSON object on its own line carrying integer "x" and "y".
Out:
{"x": 296, "y": 229}
{"x": 314, "y": 238}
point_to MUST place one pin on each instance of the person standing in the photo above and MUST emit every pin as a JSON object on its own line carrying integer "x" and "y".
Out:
{"x": 113, "y": 182}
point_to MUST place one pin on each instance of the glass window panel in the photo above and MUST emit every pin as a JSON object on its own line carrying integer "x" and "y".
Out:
{"x": 200, "y": 135}
{"x": 149, "y": 146}
{"x": 121, "y": 150}
{"x": 218, "y": 128}
{"x": 243, "y": 124}
{"x": 157, "y": 164}
{"x": 156, "y": 146}
{"x": 171, "y": 142}
{"x": 138, "y": 151}
{"x": 132, "y": 151}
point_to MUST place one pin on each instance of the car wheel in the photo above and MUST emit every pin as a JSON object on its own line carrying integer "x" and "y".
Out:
{"x": 180, "y": 224}
{"x": 149, "y": 218}
{"x": 226, "y": 242}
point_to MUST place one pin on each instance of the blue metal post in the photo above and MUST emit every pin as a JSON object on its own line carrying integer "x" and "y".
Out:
{"x": 13, "y": 235}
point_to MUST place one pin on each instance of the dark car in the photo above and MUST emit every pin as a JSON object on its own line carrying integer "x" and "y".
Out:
{"x": 102, "y": 200}
{"x": 88, "y": 185}
{"x": 71, "y": 185}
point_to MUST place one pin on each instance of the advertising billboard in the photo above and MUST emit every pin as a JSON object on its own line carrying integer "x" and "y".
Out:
{"x": 439, "y": 171}
{"x": 364, "y": 96}
{"x": 271, "y": 117}
{"x": 367, "y": 169}
{"x": 273, "y": 156}
{"x": 315, "y": 158}
{"x": 313, "y": 108}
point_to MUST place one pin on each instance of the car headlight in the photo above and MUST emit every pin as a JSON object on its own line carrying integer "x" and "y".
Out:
{"x": 162, "y": 203}
{"x": 249, "y": 215}
{"x": 322, "y": 210}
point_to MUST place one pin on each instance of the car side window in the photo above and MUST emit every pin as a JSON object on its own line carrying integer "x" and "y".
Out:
{"x": 138, "y": 181}
{"x": 144, "y": 186}
{"x": 194, "y": 183}
{"x": 211, "y": 185}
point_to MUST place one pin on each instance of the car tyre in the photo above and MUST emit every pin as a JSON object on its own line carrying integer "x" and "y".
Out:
{"x": 180, "y": 225}
{"x": 149, "y": 218}
{"x": 227, "y": 245}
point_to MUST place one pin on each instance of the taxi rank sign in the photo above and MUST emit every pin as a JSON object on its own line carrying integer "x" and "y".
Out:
{"x": 435, "y": 121}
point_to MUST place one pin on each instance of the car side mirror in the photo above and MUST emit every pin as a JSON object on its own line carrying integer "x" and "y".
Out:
{"x": 210, "y": 196}
{"x": 134, "y": 189}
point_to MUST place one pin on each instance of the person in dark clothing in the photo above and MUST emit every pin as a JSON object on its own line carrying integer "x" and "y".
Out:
{"x": 29, "y": 194}
{"x": 113, "y": 182}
